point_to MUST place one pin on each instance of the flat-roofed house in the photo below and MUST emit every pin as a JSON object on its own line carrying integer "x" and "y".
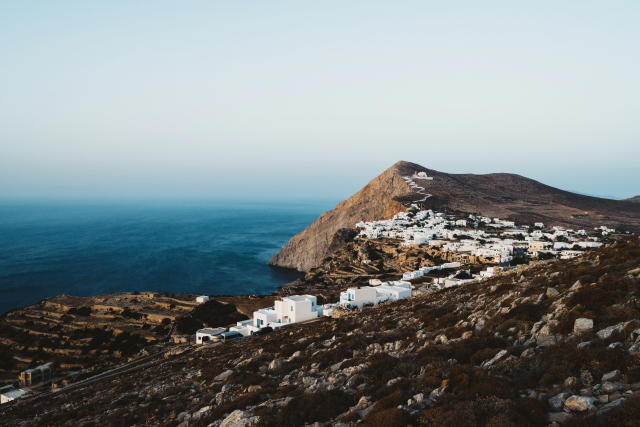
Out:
{"x": 296, "y": 308}
{"x": 205, "y": 335}
{"x": 358, "y": 297}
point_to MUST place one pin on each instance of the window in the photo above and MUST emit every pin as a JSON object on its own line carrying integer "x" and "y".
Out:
{"x": 291, "y": 308}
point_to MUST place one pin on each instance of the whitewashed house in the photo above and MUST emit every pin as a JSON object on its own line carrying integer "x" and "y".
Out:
{"x": 296, "y": 308}
{"x": 358, "y": 297}
{"x": 205, "y": 335}
{"x": 372, "y": 295}
{"x": 243, "y": 327}
{"x": 291, "y": 309}
{"x": 393, "y": 291}
{"x": 202, "y": 299}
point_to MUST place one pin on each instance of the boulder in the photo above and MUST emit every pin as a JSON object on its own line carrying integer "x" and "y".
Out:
{"x": 441, "y": 339}
{"x": 224, "y": 375}
{"x": 240, "y": 418}
{"x": 556, "y": 403}
{"x": 552, "y": 292}
{"x": 501, "y": 354}
{"x": 609, "y": 406}
{"x": 296, "y": 355}
{"x": 609, "y": 376}
{"x": 610, "y": 388}
{"x": 275, "y": 364}
{"x": 580, "y": 403}
{"x": 582, "y": 325}
{"x": 577, "y": 285}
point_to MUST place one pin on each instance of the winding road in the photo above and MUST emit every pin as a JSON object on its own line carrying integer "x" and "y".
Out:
{"x": 418, "y": 189}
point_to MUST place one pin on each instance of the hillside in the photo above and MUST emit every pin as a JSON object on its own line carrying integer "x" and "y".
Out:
{"x": 551, "y": 341}
{"x": 378, "y": 199}
{"x": 81, "y": 334}
{"x": 496, "y": 195}
{"x": 634, "y": 199}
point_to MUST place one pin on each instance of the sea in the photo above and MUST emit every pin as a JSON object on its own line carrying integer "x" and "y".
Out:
{"x": 211, "y": 247}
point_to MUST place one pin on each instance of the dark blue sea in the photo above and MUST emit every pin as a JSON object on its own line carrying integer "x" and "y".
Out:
{"x": 199, "y": 247}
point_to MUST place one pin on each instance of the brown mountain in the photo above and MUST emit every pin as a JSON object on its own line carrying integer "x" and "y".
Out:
{"x": 503, "y": 195}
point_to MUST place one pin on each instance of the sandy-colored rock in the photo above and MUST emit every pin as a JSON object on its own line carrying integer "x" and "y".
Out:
{"x": 582, "y": 325}
{"x": 580, "y": 403}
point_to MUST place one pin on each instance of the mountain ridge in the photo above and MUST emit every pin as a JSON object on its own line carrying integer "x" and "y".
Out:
{"x": 503, "y": 195}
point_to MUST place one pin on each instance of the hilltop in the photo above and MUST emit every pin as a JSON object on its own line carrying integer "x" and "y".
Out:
{"x": 551, "y": 341}
{"x": 507, "y": 196}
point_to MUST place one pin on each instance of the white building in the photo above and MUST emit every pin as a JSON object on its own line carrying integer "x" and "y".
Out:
{"x": 393, "y": 291}
{"x": 388, "y": 291}
{"x": 207, "y": 334}
{"x": 296, "y": 308}
{"x": 358, "y": 297}
{"x": 9, "y": 393}
{"x": 243, "y": 327}
{"x": 291, "y": 309}
{"x": 202, "y": 299}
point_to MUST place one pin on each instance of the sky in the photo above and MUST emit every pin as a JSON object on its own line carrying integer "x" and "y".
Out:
{"x": 308, "y": 99}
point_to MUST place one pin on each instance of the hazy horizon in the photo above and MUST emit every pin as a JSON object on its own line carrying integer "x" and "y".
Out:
{"x": 295, "y": 100}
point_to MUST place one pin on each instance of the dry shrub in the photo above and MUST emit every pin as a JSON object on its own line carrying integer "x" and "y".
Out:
{"x": 561, "y": 361}
{"x": 392, "y": 417}
{"x": 467, "y": 382}
{"x": 310, "y": 407}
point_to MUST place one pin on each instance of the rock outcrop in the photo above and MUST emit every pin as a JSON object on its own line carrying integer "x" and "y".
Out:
{"x": 377, "y": 200}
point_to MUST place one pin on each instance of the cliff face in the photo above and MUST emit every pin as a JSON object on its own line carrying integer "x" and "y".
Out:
{"x": 503, "y": 195}
{"x": 377, "y": 200}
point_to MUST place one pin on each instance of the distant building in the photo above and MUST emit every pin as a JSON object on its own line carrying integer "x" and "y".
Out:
{"x": 202, "y": 299}
{"x": 373, "y": 295}
{"x": 208, "y": 334}
{"x": 37, "y": 375}
{"x": 9, "y": 393}
{"x": 291, "y": 309}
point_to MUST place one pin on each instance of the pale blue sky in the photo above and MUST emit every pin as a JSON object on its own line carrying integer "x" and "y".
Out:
{"x": 282, "y": 99}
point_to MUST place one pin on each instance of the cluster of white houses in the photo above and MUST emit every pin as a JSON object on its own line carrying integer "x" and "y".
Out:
{"x": 300, "y": 308}
{"x": 493, "y": 240}
{"x": 478, "y": 240}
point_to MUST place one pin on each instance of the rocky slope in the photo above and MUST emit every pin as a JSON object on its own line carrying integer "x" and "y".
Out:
{"x": 501, "y": 195}
{"x": 377, "y": 200}
{"x": 555, "y": 341}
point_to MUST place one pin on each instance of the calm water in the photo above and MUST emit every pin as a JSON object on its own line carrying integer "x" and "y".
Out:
{"x": 48, "y": 249}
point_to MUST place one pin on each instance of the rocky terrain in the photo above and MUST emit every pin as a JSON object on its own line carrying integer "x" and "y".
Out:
{"x": 507, "y": 196}
{"x": 552, "y": 342}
